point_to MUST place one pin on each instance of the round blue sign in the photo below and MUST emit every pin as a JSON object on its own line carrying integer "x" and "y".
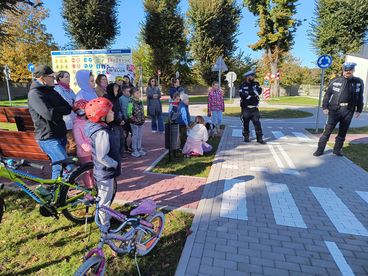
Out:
{"x": 324, "y": 61}
{"x": 30, "y": 67}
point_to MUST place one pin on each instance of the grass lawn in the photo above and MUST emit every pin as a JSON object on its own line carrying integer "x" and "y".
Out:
{"x": 295, "y": 100}
{"x": 353, "y": 130}
{"x": 357, "y": 153}
{"x": 8, "y": 126}
{"x": 20, "y": 102}
{"x": 194, "y": 166}
{"x": 271, "y": 113}
{"x": 32, "y": 244}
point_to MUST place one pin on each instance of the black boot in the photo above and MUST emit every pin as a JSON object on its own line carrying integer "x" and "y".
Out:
{"x": 259, "y": 138}
{"x": 339, "y": 142}
{"x": 320, "y": 149}
{"x": 246, "y": 137}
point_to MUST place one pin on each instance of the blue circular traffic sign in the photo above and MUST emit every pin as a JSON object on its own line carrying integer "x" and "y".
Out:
{"x": 31, "y": 67}
{"x": 324, "y": 61}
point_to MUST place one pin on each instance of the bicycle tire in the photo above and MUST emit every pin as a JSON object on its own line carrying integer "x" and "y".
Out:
{"x": 151, "y": 242}
{"x": 76, "y": 177}
{"x": 89, "y": 264}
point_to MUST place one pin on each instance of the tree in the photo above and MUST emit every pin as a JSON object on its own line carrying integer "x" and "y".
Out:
{"x": 277, "y": 26}
{"x": 214, "y": 27}
{"x": 142, "y": 56}
{"x": 164, "y": 32}
{"x": 339, "y": 28}
{"x": 91, "y": 24}
{"x": 32, "y": 43}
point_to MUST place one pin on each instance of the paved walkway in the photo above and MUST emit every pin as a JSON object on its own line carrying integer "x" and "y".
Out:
{"x": 277, "y": 210}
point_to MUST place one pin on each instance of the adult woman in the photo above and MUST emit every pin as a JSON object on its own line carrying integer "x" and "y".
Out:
{"x": 175, "y": 87}
{"x": 154, "y": 107}
{"x": 63, "y": 88}
{"x": 102, "y": 83}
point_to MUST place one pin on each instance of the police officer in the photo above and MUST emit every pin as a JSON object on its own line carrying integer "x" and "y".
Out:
{"x": 249, "y": 95}
{"x": 343, "y": 97}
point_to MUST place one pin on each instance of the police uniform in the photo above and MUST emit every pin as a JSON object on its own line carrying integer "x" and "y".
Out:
{"x": 249, "y": 95}
{"x": 343, "y": 97}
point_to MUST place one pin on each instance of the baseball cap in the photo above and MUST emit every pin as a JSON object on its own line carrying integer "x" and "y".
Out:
{"x": 347, "y": 66}
{"x": 42, "y": 70}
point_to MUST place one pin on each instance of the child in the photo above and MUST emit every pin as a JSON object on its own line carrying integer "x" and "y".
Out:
{"x": 84, "y": 148}
{"x": 197, "y": 137}
{"x": 184, "y": 118}
{"x": 136, "y": 117}
{"x": 124, "y": 101}
{"x": 216, "y": 105}
{"x": 105, "y": 153}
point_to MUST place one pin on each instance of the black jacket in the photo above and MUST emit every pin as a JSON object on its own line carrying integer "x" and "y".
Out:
{"x": 47, "y": 108}
{"x": 353, "y": 86}
{"x": 115, "y": 103}
{"x": 249, "y": 93}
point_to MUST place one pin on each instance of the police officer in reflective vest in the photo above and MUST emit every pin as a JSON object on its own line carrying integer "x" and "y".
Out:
{"x": 249, "y": 95}
{"x": 344, "y": 96}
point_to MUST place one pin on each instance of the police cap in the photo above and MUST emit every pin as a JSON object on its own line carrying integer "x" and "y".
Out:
{"x": 347, "y": 66}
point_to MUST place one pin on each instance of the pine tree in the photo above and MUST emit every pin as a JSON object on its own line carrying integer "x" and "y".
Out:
{"x": 163, "y": 31}
{"x": 214, "y": 27}
{"x": 338, "y": 28}
{"x": 91, "y": 24}
{"x": 277, "y": 25}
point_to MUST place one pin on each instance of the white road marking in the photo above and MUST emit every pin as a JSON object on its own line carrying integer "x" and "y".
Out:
{"x": 286, "y": 157}
{"x": 275, "y": 156}
{"x": 289, "y": 171}
{"x": 339, "y": 259}
{"x": 279, "y": 135}
{"x": 363, "y": 195}
{"x": 237, "y": 133}
{"x": 284, "y": 208}
{"x": 290, "y": 128}
{"x": 301, "y": 136}
{"x": 228, "y": 166}
{"x": 234, "y": 204}
{"x": 258, "y": 169}
{"x": 340, "y": 215}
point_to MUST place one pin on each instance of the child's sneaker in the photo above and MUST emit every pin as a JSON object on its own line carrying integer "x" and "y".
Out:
{"x": 136, "y": 154}
{"x": 154, "y": 131}
{"x": 142, "y": 152}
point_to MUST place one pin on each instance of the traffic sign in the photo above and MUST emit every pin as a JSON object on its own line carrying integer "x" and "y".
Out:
{"x": 324, "y": 61}
{"x": 231, "y": 77}
{"x": 219, "y": 65}
{"x": 31, "y": 67}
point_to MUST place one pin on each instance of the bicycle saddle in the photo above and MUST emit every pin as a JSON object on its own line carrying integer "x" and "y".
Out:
{"x": 65, "y": 162}
{"x": 146, "y": 207}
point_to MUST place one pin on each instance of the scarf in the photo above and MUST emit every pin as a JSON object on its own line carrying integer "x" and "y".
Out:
{"x": 64, "y": 85}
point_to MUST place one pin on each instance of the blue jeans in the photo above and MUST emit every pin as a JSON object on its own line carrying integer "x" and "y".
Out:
{"x": 216, "y": 117}
{"x": 55, "y": 148}
{"x": 157, "y": 120}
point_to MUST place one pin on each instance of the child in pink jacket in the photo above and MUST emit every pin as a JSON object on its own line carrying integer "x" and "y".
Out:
{"x": 216, "y": 104}
{"x": 84, "y": 148}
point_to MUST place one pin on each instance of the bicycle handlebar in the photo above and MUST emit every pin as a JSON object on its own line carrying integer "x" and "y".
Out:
{"x": 16, "y": 164}
{"x": 30, "y": 164}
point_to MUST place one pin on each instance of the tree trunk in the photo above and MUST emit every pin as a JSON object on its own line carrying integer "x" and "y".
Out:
{"x": 273, "y": 57}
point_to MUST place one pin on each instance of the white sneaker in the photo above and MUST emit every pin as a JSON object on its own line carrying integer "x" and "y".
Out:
{"x": 154, "y": 131}
{"x": 142, "y": 152}
{"x": 136, "y": 154}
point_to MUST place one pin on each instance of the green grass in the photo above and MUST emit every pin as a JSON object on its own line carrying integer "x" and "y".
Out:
{"x": 20, "y": 102}
{"x": 353, "y": 130}
{"x": 195, "y": 166}
{"x": 357, "y": 153}
{"x": 32, "y": 244}
{"x": 8, "y": 126}
{"x": 271, "y": 113}
{"x": 295, "y": 100}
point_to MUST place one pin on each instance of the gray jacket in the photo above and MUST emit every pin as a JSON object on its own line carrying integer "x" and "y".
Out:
{"x": 154, "y": 106}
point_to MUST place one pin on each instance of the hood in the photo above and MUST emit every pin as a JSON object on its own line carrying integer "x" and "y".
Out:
{"x": 91, "y": 128}
{"x": 110, "y": 92}
{"x": 82, "y": 77}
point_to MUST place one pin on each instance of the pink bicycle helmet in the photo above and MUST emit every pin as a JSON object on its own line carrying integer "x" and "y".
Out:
{"x": 97, "y": 108}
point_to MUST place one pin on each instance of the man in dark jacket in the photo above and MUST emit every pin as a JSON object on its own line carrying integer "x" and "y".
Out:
{"x": 343, "y": 97}
{"x": 47, "y": 108}
{"x": 250, "y": 91}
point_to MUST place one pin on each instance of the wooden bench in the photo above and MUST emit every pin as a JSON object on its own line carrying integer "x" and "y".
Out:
{"x": 21, "y": 143}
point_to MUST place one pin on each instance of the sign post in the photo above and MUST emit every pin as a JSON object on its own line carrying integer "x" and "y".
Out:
{"x": 158, "y": 77}
{"x": 7, "y": 78}
{"x": 323, "y": 62}
{"x": 230, "y": 78}
{"x": 219, "y": 66}
{"x": 141, "y": 80}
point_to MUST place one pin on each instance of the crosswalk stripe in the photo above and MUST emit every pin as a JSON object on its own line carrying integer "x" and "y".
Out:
{"x": 286, "y": 157}
{"x": 234, "y": 204}
{"x": 339, "y": 259}
{"x": 363, "y": 195}
{"x": 289, "y": 171}
{"x": 229, "y": 166}
{"x": 258, "y": 169}
{"x": 275, "y": 156}
{"x": 237, "y": 133}
{"x": 339, "y": 214}
{"x": 279, "y": 135}
{"x": 301, "y": 136}
{"x": 283, "y": 205}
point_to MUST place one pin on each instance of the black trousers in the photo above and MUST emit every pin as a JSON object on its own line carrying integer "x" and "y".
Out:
{"x": 251, "y": 114}
{"x": 342, "y": 116}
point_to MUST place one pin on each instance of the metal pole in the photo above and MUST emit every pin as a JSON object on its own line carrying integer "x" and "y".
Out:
{"x": 320, "y": 98}
{"x": 32, "y": 76}
{"x": 158, "y": 80}
{"x": 7, "y": 85}
{"x": 219, "y": 79}
{"x": 141, "y": 80}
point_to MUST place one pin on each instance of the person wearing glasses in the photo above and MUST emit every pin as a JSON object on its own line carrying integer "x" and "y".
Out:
{"x": 154, "y": 107}
{"x": 343, "y": 97}
{"x": 47, "y": 109}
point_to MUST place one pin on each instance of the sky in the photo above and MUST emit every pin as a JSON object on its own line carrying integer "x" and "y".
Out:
{"x": 131, "y": 17}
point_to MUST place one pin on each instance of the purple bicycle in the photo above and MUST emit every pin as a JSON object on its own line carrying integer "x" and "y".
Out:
{"x": 138, "y": 232}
